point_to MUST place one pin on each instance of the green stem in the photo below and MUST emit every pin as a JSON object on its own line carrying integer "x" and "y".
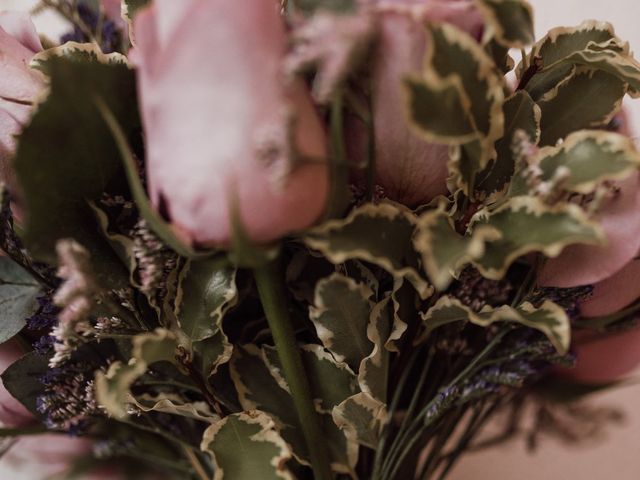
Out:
{"x": 272, "y": 294}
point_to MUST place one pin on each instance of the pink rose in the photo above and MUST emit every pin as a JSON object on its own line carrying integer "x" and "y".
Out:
{"x": 412, "y": 170}
{"x": 218, "y": 118}
{"x": 614, "y": 272}
{"x": 19, "y": 84}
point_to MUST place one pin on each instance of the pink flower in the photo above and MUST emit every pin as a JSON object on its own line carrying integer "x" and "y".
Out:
{"x": 411, "y": 170}
{"x": 614, "y": 272}
{"x": 19, "y": 84}
{"x": 219, "y": 118}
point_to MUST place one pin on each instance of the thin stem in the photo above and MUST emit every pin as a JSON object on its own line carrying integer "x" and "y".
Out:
{"x": 195, "y": 463}
{"x": 274, "y": 301}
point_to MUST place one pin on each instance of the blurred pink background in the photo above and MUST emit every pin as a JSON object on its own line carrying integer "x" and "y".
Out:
{"x": 615, "y": 457}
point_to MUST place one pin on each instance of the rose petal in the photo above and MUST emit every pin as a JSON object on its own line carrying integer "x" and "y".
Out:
{"x": 615, "y": 292}
{"x": 20, "y": 27}
{"x": 584, "y": 265}
{"x": 206, "y": 100}
{"x": 606, "y": 358}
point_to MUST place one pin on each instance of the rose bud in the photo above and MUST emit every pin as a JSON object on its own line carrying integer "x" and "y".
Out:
{"x": 222, "y": 125}
{"x": 20, "y": 85}
{"x": 411, "y": 170}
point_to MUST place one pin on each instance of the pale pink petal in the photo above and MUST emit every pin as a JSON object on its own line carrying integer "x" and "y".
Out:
{"x": 605, "y": 358}
{"x": 615, "y": 292}
{"x": 411, "y": 170}
{"x": 584, "y": 265}
{"x": 169, "y": 15}
{"x": 206, "y": 100}
{"x": 20, "y": 27}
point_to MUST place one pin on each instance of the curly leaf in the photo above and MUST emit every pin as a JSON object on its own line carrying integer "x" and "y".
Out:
{"x": 549, "y": 318}
{"x": 361, "y": 417}
{"x": 443, "y": 249}
{"x": 173, "y": 405}
{"x": 373, "y": 373}
{"x": 525, "y": 225}
{"x": 112, "y": 387}
{"x": 589, "y": 157}
{"x": 379, "y": 234}
{"x": 264, "y": 453}
{"x": 340, "y": 314}
{"x": 566, "y": 110}
{"x": 511, "y": 21}
{"x": 18, "y": 298}
{"x": 520, "y": 113}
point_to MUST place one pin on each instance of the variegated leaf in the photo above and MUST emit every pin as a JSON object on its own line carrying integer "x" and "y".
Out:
{"x": 549, "y": 318}
{"x": 379, "y": 234}
{"x": 443, "y": 249}
{"x": 565, "y": 109}
{"x": 373, "y": 374}
{"x": 525, "y": 225}
{"x": 340, "y": 314}
{"x": 361, "y": 417}
{"x": 261, "y": 386}
{"x": 510, "y": 21}
{"x": 113, "y": 387}
{"x": 520, "y": 113}
{"x": 457, "y": 57}
{"x": 264, "y": 453}
{"x": 589, "y": 158}
{"x": 173, "y": 405}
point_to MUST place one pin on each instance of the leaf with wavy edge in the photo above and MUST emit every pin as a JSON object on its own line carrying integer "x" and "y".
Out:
{"x": 520, "y": 113}
{"x": 361, "y": 417}
{"x": 264, "y": 452}
{"x": 564, "y": 109}
{"x": 454, "y": 54}
{"x": 589, "y": 158}
{"x": 260, "y": 385}
{"x": 19, "y": 293}
{"x": 112, "y": 387}
{"x": 525, "y": 225}
{"x": 340, "y": 314}
{"x": 549, "y": 318}
{"x": 379, "y": 234}
{"x": 443, "y": 249}
{"x": 510, "y": 21}
{"x": 173, "y": 405}
{"x": 373, "y": 373}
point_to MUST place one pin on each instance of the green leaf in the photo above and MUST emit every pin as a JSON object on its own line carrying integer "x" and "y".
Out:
{"x": 260, "y": 386}
{"x": 212, "y": 352}
{"x": 373, "y": 373}
{"x": 500, "y": 56}
{"x": 361, "y": 417}
{"x": 309, "y": 7}
{"x": 455, "y": 57}
{"x": 520, "y": 113}
{"x": 113, "y": 387}
{"x": 340, "y": 314}
{"x": 66, "y": 156}
{"x": 443, "y": 249}
{"x": 247, "y": 446}
{"x": 379, "y": 234}
{"x": 174, "y": 405}
{"x": 511, "y": 21}
{"x": 525, "y": 225}
{"x": 564, "y": 110}
{"x": 22, "y": 379}
{"x": 589, "y": 158}
{"x": 18, "y": 298}
{"x": 207, "y": 290}
{"x": 330, "y": 381}
{"x": 549, "y": 318}
{"x": 438, "y": 110}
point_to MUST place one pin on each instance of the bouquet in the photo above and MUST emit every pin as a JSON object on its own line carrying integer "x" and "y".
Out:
{"x": 321, "y": 239}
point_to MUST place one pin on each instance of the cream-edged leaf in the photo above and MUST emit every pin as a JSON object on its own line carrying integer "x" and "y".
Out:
{"x": 379, "y": 234}
{"x": 510, "y": 21}
{"x": 361, "y": 417}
